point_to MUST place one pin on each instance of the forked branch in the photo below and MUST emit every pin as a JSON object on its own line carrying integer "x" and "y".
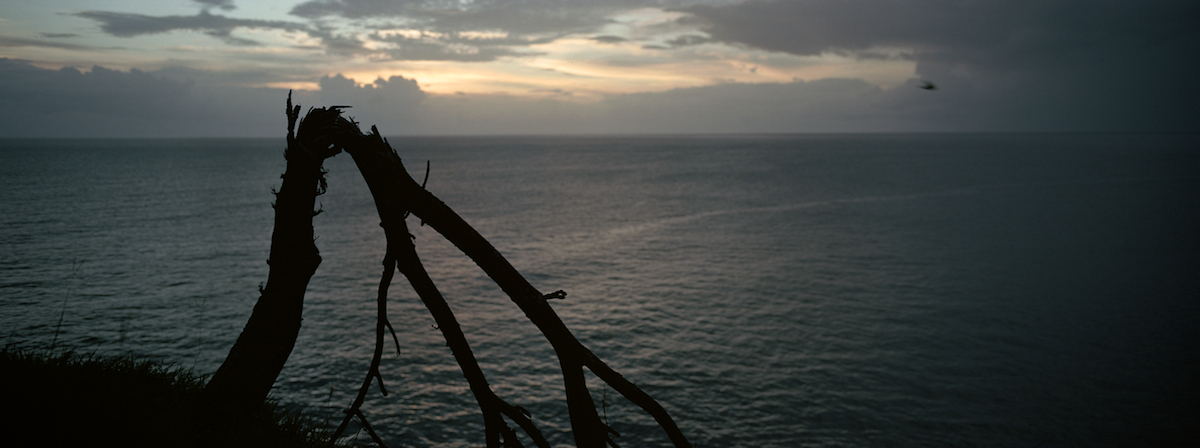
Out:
{"x": 402, "y": 252}
{"x": 396, "y": 194}
{"x": 245, "y": 378}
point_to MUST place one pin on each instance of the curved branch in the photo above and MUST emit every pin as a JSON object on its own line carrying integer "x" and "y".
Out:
{"x": 389, "y": 268}
{"x": 491, "y": 405}
{"x": 406, "y": 195}
{"x": 400, "y": 249}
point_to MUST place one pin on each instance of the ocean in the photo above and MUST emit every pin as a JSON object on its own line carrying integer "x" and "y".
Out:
{"x": 943, "y": 290}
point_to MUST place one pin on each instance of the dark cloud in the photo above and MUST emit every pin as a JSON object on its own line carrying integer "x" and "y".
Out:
{"x": 833, "y": 105}
{"x": 200, "y": 78}
{"x": 223, "y": 4}
{"x": 476, "y": 31}
{"x": 34, "y": 89}
{"x": 830, "y": 105}
{"x": 444, "y": 24}
{"x": 439, "y": 46}
{"x": 182, "y": 102}
{"x": 339, "y": 44}
{"x": 6, "y": 41}
{"x": 129, "y": 24}
{"x": 515, "y": 16}
{"x": 812, "y": 27}
{"x": 502, "y": 11}
{"x": 1125, "y": 63}
{"x": 395, "y": 92}
{"x": 826, "y": 105}
{"x": 59, "y": 35}
{"x": 101, "y": 102}
{"x": 1017, "y": 65}
{"x": 688, "y": 40}
{"x": 1001, "y": 32}
{"x": 354, "y": 9}
{"x": 535, "y": 18}
{"x": 189, "y": 102}
{"x": 554, "y": 92}
{"x": 522, "y": 18}
{"x": 452, "y": 47}
{"x": 609, "y": 39}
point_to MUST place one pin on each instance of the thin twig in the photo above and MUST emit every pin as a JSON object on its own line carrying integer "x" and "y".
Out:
{"x": 389, "y": 268}
{"x": 363, "y": 419}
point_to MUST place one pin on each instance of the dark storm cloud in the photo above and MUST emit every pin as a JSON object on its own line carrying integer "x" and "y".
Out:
{"x": 1119, "y": 63}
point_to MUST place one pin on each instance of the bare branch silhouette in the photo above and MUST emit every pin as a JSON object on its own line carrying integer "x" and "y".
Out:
{"x": 261, "y": 350}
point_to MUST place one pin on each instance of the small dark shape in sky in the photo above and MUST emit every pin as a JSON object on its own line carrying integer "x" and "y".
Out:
{"x": 609, "y": 39}
{"x": 927, "y": 85}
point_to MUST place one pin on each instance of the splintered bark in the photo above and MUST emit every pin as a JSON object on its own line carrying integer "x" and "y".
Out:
{"x": 243, "y": 381}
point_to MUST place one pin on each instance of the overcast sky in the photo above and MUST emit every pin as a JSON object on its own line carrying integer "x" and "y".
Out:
{"x": 140, "y": 68}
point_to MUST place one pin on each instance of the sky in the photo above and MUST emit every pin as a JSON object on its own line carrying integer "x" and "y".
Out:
{"x": 213, "y": 68}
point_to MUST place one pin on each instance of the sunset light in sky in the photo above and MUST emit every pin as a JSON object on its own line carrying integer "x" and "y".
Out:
{"x": 627, "y": 66}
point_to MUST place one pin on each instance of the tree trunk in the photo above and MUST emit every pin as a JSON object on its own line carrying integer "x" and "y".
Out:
{"x": 243, "y": 381}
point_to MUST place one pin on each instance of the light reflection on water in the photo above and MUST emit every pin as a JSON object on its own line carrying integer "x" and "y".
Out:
{"x": 769, "y": 291}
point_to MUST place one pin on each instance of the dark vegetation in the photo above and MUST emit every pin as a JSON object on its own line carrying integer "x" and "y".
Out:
{"x": 67, "y": 399}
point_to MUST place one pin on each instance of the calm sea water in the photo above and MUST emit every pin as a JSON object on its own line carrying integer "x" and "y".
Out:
{"x": 769, "y": 291}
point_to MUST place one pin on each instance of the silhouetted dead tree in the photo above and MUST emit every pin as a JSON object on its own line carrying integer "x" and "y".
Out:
{"x": 245, "y": 378}
{"x": 397, "y": 195}
{"x": 379, "y": 171}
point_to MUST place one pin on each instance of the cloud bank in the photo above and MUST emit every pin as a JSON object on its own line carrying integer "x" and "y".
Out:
{"x": 1017, "y": 65}
{"x": 183, "y": 102}
{"x": 431, "y": 30}
{"x": 1018, "y": 62}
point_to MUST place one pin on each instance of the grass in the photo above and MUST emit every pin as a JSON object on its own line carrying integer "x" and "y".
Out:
{"x": 69, "y": 399}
